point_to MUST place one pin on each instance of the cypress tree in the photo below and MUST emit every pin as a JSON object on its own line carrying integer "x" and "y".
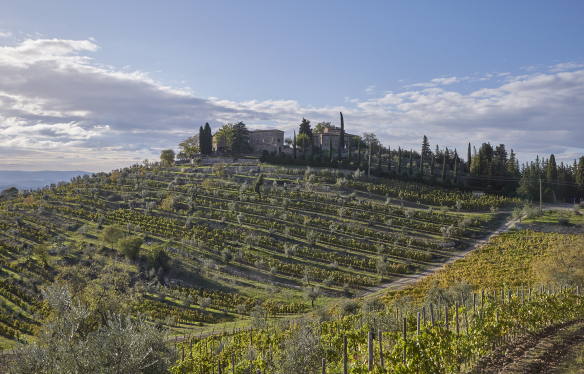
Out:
{"x": 340, "y": 149}
{"x": 349, "y": 152}
{"x": 330, "y": 150}
{"x": 432, "y": 165}
{"x": 444, "y": 165}
{"x": 342, "y": 136}
{"x": 294, "y": 144}
{"x": 379, "y": 159}
{"x": 359, "y": 152}
{"x": 208, "y": 139}
{"x": 399, "y": 161}
{"x": 312, "y": 150}
{"x": 422, "y": 164}
{"x": 388, "y": 158}
{"x": 469, "y": 157}
{"x": 411, "y": 160}
{"x": 455, "y": 166}
{"x": 202, "y": 141}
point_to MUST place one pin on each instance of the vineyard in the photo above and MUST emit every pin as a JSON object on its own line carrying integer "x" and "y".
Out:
{"x": 438, "y": 325}
{"x": 224, "y": 244}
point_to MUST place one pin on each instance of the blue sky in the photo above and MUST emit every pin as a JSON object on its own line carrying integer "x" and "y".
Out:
{"x": 102, "y": 84}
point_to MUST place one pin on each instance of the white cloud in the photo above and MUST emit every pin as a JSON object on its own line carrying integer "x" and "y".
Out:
{"x": 566, "y": 66}
{"x": 445, "y": 81}
{"x": 6, "y": 34}
{"x": 55, "y": 101}
{"x": 370, "y": 90}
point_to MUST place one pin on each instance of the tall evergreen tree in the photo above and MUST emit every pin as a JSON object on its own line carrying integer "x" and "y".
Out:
{"x": 342, "y": 139}
{"x": 469, "y": 158}
{"x": 349, "y": 152}
{"x": 340, "y": 149}
{"x": 455, "y": 166}
{"x": 359, "y": 152}
{"x": 445, "y": 159}
{"x": 305, "y": 128}
{"x": 208, "y": 139}
{"x": 432, "y": 165}
{"x": 426, "y": 146}
{"x": 552, "y": 169}
{"x": 422, "y": 164}
{"x": 312, "y": 150}
{"x": 388, "y": 158}
{"x": 240, "y": 142}
{"x": 202, "y": 140}
{"x": 294, "y": 144}
{"x": 399, "y": 157}
{"x": 379, "y": 158}
{"x": 330, "y": 150}
{"x": 511, "y": 164}
{"x": 580, "y": 173}
{"x": 411, "y": 161}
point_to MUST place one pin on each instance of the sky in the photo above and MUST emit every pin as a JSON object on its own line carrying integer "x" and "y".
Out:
{"x": 98, "y": 85}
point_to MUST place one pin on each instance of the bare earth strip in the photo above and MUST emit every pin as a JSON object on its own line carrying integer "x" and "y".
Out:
{"x": 409, "y": 279}
{"x": 536, "y": 353}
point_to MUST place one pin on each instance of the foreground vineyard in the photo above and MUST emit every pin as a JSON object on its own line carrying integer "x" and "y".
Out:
{"x": 447, "y": 330}
{"x": 219, "y": 242}
{"x": 434, "y": 340}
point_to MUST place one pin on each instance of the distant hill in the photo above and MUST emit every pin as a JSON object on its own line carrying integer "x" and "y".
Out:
{"x": 35, "y": 179}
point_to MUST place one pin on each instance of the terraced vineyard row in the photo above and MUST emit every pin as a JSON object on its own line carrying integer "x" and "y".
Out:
{"x": 228, "y": 235}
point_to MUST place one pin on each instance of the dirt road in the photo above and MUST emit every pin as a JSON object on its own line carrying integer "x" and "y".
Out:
{"x": 409, "y": 279}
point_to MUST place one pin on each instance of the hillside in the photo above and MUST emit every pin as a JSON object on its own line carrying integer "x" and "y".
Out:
{"x": 205, "y": 246}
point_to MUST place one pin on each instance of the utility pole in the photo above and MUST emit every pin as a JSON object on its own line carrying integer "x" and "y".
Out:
{"x": 540, "y": 210}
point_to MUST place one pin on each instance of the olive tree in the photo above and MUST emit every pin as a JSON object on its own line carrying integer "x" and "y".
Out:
{"x": 121, "y": 345}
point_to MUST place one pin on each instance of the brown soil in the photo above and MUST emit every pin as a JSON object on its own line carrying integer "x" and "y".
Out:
{"x": 535, "y": 353}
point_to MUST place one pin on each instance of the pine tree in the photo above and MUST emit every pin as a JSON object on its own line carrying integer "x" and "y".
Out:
{"x": 305, "y": 128}
{"x": 399, "y": 157}
{"x": 455, "y": 166}
{"x": 411, "y": 160}
{"x": 422, "y": 164}
{"x": 469, "y": 158}
{"x": 552, "y": 169}
{"x": 511, "y": 165}
{"x": 580, "y": 173}
{"x": 294, "y": 144}
{"x": 208, "y": 139}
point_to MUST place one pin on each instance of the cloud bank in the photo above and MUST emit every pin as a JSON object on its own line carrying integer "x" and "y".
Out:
{"x": 60, "y": 109}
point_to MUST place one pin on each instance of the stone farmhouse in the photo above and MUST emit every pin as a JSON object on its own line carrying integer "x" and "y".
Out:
{"x": 271, "y": 140}
{"x": 329, "y": 136}
{"x": 266, "y": 140}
